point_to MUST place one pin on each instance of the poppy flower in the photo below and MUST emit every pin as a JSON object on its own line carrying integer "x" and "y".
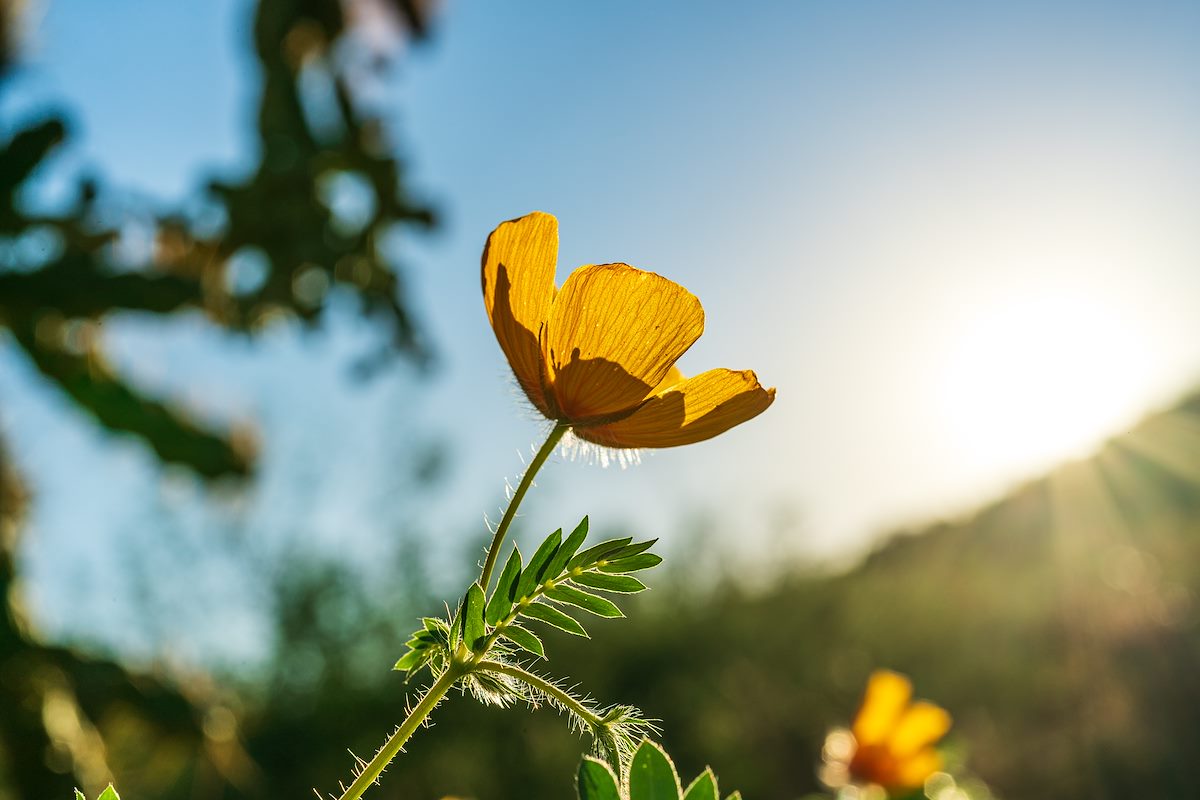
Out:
{"x": 892, "y": 737}
{"x": 598, "y": 355}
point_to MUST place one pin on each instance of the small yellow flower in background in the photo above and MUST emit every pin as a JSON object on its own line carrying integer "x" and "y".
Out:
{"x": 891, "y": 743}
{"x": 599, "y": 354}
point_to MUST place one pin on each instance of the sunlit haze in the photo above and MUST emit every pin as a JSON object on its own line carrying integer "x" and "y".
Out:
{"x": 1038, "y": 378}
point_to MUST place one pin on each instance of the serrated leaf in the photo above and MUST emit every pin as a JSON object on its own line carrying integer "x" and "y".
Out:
{"x": 703, "y": 788}
{"x": 531, "y": 576}
{"x": 501, "y": 603}
{"x": 634, "y": 564}
{"x": 599, "y": 606}
{"x": 474, "y": 629}
{"x": 525, "y": 639}
{"x": 552, "y": 616}
{"x": 623, "y": 584}
{"x": 596, "y": 781}
{"x": 631, "y": 550}
{"x": 109, "y": 794}
{"x": 567, "y": 551}
{"x": 597, "y": 552}
{"x": 652, "y": 775}
{"x": 408, "y": 661}
{"x": 433, "y": 625}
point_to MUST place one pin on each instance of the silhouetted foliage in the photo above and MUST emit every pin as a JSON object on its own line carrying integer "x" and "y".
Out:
{"x": 62, "y": 274}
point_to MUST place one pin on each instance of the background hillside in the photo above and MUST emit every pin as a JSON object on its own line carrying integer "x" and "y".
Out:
{"x": 1058, "y": 625}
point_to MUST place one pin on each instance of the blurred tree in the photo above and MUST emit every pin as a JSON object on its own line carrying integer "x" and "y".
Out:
{"x": 63, "y": 273}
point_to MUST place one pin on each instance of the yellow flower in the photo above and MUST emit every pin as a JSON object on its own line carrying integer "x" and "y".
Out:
{"x": 894, "y": 737}
{"x": 599, "y": 354}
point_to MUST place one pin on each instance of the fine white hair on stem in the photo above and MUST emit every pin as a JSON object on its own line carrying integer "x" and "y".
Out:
{"x": 572, "y": 447}
{"x": 509, "y": 490}
{"x": 577, "y": 449}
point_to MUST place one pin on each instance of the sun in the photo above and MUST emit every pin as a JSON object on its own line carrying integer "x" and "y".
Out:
{"x": 1034, "y": 380}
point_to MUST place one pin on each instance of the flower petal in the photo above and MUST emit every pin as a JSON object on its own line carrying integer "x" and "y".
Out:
{"x": 518, "y": 289}
{"x": 674, "y": 376}
{"x": 887, "y": 696}
{"x": 614, "y": 332}
{"x": 912, "y": 772}
{"x": 921, "y": 725}
{"x": 688, "y": 411}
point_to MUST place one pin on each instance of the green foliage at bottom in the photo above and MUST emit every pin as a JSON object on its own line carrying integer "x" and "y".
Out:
{"x": 108, "y": 794}
{"x": 652, "y": 776}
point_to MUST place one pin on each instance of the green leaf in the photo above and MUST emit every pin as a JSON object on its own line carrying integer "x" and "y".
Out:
{"x": 474, "y": 629}
{"x": 631, "y": 550}
{"x": 564, "y": 554}
{"x": 456, "y": 626}
{"x": 532, "y": 575}
{"x": 524, "y": 638}
{"x": 423, "y": 639}
{"x": 599, "y": 606}
{"x": 109, "y": 794}
{"x": 634, "y": 564}
{"x": 597, "y": 781}
{"x": 703, "y": 788}
{"x": 79, "y": 795}
{"x": 502, "y": 601}
{"x": 408, "y": 661}
{"x": 609, "y": 583}
{"x": 597, "y": 552}
{"x": 735, "y": 796}
{"x": 652, "y": 775}
{"x": 552, "y": 616}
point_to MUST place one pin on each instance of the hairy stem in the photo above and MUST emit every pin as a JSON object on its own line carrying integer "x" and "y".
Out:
{"x": 371, "y": 772}
{"x": 545, "y": 687}
{"x": 511, "y": 512}
{"x": 434, "y": 694}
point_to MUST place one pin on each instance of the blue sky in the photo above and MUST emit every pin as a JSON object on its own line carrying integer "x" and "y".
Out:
{"x": 959, "y": 238}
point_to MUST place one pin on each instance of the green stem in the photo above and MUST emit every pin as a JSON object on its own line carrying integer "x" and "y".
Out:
{"x": 544, "y": 686}
{"x": 434, "y": 694}
{"x": 523, "y": 487}
{"x": 498, "y": 630}
{"x": 371, "y": 772}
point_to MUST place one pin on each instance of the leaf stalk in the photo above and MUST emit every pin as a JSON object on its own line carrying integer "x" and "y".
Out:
{"x": 546, "y": 687}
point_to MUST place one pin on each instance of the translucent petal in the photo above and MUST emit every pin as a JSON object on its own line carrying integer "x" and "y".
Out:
{"x": 613, "y": 334}
{"x": 674, "y": 376}
{"x": 687, "y": 411}
{"x": 518, "y": 289}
